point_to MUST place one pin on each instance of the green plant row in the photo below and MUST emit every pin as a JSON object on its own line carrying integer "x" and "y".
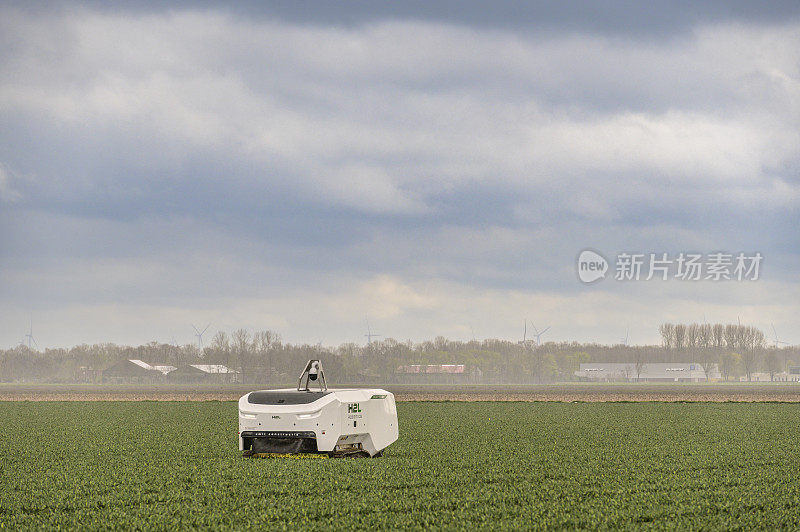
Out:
{"x": 168, "y": 465}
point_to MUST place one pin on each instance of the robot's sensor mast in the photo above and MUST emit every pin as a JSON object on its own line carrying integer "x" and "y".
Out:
{"x": 312, "y": 372}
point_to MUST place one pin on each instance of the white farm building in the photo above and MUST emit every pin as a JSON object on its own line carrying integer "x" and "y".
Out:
{"x": 650, "y": 372}
{"x": 199, "y": 373}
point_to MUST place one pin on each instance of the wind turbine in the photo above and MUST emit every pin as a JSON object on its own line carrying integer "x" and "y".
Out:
{"x": 370, "y": 335}
{"x": 776, "y": 337}
{"x": 625, "y": 340}
{"x": 30, "y": 337}
{"x": 199, "y": 335}
{"x": 537, "y": 333}
{"x": 524, "y": 342}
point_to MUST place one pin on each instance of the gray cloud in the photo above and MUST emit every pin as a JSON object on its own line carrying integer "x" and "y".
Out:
{"x": 183, "y": 157}
{"x": 658, "y": 19}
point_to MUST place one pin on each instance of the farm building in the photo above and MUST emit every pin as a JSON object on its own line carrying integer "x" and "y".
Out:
{"x": 135, "y": 371}
{"x": 791, "y": 375}
{"x": 432, "y": 373}
{"x": 432, "y": 368}
{"x": 198, "y": 373}
{"x": 766, "y": 377}
{"x": 651, "y": 372}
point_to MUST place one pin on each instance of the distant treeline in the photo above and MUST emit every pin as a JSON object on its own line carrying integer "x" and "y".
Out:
{"x": 736, "y": 349}
{"x": 706, "y": 335}
{"x": 262, "y": 357}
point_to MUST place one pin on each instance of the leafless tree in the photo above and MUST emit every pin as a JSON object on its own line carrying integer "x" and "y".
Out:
{"x": 265, "y": 343}
{"x": 680, "y": 336}
{"x": 755, "y": 338}
{"x": 731, "y": 336}
{"x": 751, "y": 341}
{"x": 718, "y": 333}
{"x": 638, "y": 362}
{"x": 749, "y": 363}
{"x": 242, "y": 352}
{"x": 772, "y": 364}
{"x": 708, "y": 363}
{"x": 667, "y": 331}
{"x": 742, "y": 337}
{"x": 221, "y": 348}
{"x": 693, "y": 336}
{"x": 705, "y": 336}
{"x": 693, "y": 340}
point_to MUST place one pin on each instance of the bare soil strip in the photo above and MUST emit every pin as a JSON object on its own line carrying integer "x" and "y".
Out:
{"x": 608, "y": 397}
{"x": 551, "y": 393}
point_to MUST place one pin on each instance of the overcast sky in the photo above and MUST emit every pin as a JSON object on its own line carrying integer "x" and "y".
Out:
{"x": 433, "y": 168}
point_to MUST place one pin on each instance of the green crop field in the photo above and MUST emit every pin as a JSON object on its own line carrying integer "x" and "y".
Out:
{"x": 166, "y": 465}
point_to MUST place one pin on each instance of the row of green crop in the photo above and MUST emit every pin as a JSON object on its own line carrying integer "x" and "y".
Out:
{"x": 456, "y": 465}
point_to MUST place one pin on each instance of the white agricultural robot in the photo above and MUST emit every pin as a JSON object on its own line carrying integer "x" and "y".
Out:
{"x": 337, "y": 422}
